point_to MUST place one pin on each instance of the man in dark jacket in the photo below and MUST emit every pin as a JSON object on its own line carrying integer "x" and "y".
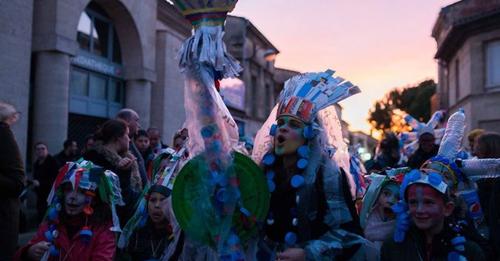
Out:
{"x": 69, "y": 153}
{"x": 44, "y": 173}
{"x": 11, "y": 182}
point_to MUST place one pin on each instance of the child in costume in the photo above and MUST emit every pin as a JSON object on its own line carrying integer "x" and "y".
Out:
{"x": 153, "y": 233}
{"x": 81, "y": 221}
{"x": 424, "y": 230}
{"x": 311, "y": 212}
{"x": 377, "y": 218}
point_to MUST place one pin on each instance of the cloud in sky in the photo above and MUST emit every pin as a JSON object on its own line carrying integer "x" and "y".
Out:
{"x": 376, "y": 44}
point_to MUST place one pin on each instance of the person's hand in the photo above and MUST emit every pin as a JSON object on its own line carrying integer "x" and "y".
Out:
{"x": 36, "y": 251}
{"x": 125, "y": 163}
{"x": 36, "y": 183}
{"x": 292, "y": 254}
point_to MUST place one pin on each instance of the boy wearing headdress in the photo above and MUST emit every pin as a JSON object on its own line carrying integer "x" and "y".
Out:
{"x": 424, "y": 230}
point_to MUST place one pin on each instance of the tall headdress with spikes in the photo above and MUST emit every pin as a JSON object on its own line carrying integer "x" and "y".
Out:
{"x": 409, "y": 140}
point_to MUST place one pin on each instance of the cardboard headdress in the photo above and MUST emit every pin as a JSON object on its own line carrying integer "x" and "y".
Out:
{"x": 306, "y": 94}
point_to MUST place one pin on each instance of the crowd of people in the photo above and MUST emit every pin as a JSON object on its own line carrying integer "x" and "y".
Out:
{"x": 112, "y": 200}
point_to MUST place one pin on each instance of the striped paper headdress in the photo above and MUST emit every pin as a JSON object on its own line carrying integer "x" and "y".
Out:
{"x": 306, "y": 94}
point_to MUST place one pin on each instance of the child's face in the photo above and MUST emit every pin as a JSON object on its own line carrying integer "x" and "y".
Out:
{"x": 157, "y": 207}
{"x": 74, "y": 201}
{"x": 388, "y": 196}
{"x": 427, "y": 207}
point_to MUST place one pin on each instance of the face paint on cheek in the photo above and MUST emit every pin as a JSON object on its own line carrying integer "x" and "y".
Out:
{"x": 420, "y": 198}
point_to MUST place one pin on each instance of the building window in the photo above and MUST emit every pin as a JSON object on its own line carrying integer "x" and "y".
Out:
{"x": 493, "y": 64}
{"x": 96, "y": 34}
{"x": 96, "y": 85}
{"x": 95, "y": 94}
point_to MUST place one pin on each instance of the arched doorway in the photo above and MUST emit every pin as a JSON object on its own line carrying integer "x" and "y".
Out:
{"x": 96, "y": 91}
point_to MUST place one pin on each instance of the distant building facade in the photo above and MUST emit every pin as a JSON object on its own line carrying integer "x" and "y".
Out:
{"x": 468, "y": 53}
{"x": 367, "y": 144}
{"x": 256, "y": 91}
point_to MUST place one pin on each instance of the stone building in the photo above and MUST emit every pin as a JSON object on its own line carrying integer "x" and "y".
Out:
{"x": 256, "y": 88}
{"x": 69, "y": 65}
{"x": 468, "y": 53}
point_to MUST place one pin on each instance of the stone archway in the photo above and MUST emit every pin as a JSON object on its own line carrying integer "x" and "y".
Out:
{"x": 128, "y": 35}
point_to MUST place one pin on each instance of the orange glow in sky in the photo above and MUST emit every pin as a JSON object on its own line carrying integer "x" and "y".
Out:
{"x": 376, "y": 44}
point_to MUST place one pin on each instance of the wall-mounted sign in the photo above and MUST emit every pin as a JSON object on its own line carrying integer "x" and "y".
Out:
{"x": 97, "y": 65}
{"x": 232, "y": 91}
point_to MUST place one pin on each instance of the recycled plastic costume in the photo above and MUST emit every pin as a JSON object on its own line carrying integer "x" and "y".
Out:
{"x": 220, "y": 195}
{"x": 409, "y": 140}
{"x": 153, "y": 233}
{"x": 88, "y": 234}
{"x": 309, "y": 198}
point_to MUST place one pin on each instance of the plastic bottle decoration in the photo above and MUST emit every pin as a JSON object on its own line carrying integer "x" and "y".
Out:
{"x": 213, "y": 134}
{"x": 444, "y": 161}
{"x": 460, "y": 177}
{"x": 409, "y": 140}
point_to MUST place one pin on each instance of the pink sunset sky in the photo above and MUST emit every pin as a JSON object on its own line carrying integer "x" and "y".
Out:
{"x": 376, "y": 44}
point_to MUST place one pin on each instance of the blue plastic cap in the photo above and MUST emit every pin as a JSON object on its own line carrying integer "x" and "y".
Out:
{"x": 86, "y": 233}
{"x": 303, "y": 151}
{"x": 268, "y": 159}
{"x": 272, "y": 130}
{"x": 48, "y": 236}
{"x": 207, "y": 132}
{"x": 270, "y": 185}
{"x": 53, "y": 251}
{"x": 290, "y": 238}
{"x": 308, "y": 132}
{"x": 302, "y": 163}
{"x": 297, "y": 181}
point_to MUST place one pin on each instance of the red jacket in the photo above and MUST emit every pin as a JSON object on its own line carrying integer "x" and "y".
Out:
{"x": 101, "y": 247}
